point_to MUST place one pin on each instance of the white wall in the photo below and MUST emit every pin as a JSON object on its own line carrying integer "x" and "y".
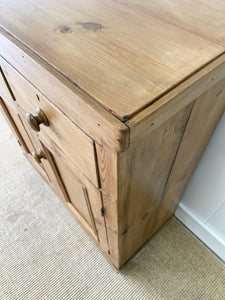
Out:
{"x": 202, "y": 208}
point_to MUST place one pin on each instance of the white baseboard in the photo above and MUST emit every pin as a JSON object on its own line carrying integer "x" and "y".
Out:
{"x": 202, "y": 231}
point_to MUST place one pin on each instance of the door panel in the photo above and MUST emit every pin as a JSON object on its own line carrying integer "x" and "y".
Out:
{"x": 76, "y": 191}
{"x": 85, "y": 202}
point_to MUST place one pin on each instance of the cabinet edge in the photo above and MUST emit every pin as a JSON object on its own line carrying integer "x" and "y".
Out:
{"x": 159, "y": 112}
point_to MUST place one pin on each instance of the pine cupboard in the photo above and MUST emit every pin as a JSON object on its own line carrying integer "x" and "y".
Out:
{"x": 114, "y": 102}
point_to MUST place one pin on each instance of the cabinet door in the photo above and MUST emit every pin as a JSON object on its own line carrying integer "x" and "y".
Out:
{"x": 83, "y": 199}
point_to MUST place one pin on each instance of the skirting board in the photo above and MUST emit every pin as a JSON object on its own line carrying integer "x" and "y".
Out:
{"x": 202, "y": 231}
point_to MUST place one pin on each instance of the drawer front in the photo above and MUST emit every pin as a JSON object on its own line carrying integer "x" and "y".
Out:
{"x": 62, "y": 136}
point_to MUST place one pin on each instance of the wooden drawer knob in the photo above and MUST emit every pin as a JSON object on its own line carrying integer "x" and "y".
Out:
{"x": 35, "y": 121}
{"x": 39, "y": 155}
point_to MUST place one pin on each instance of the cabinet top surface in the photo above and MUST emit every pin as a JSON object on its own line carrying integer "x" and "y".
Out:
{"x": 124, "y": 54}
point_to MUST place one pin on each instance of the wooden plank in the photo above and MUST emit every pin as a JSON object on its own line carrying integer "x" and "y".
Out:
{"x": 74, "y": 103}
{"x": 143, "y": 172}
{"x": 191, "y": 15}
{"x": 205, "y": 116}
{"x": 157, "y": 113}
{"x": 122, "y": 57}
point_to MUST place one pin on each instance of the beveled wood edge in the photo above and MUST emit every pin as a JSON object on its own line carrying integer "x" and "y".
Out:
{"x": 102, "y": 125}
{"x": 161, "y": 110}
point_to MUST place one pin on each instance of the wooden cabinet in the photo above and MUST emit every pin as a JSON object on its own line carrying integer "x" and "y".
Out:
{"x": 114, "y": 103}
{"x": 60, "y": 166}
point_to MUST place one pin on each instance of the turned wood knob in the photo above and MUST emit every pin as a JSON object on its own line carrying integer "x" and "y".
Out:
{"x": 35, "y": 121}
{"x": 39, "y": 155}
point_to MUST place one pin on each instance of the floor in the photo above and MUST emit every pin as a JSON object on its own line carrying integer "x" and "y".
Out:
{"x": 44, "y": 254}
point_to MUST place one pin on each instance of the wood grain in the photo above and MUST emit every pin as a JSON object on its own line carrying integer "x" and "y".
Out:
{"x": 191, "y": 15}
{"x": 205, "y": 116}
{"x": 64, "y": 94}
{"x": 84, "y": 200}
{"x": 75, "y": 192}
{"x": 108, "y": 170}
{"x": 122, "y": 56}
{"x": 163, "y": 109}
{"x": 143, "y": 173}
{"x": 133, "y": 91}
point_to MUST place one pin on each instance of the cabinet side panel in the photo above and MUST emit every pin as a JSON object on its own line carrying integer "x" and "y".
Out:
{"x": 143, "y": 171}
{"x": 205, "y": 116}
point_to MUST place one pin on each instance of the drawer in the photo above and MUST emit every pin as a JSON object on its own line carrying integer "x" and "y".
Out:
{"x": 62, "y": 136}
